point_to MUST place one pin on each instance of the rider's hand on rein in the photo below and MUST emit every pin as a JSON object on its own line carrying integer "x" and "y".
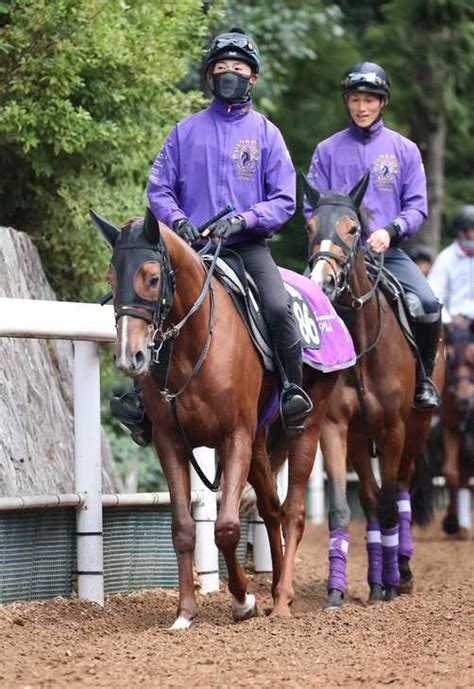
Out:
{"x": 187, "y": 230}
{"x": 227, "y": 227}
{"x": 379, "y": 241}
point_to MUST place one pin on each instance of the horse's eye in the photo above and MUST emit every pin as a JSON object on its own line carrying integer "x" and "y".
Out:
{"x": 354, "y": 229}
{"x": 154, "y": 281}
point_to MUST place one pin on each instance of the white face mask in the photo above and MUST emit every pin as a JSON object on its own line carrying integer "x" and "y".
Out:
{"x": 467, "y": 244}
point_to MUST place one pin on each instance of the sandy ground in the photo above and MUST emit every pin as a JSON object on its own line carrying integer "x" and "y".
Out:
{"x": 423, "y": 640}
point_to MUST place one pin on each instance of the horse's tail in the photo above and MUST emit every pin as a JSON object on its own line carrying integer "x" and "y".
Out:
{"x": 421, "y": 491}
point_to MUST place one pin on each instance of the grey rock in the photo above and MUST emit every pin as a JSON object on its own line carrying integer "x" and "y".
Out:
{"x": 36, "y": 391}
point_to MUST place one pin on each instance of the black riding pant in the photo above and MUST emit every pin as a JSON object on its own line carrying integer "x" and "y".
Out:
{"x": 275, "y": 299}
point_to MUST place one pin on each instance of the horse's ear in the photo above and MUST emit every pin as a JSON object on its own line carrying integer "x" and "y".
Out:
{"x": 357, "y": 194}
{"x": 107, "y": 230}
{"x": 151, "y": 227}
{"x": 312, "y": 194}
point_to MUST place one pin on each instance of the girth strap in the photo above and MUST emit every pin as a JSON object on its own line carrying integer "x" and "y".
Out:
{"x": 214, "y": 486}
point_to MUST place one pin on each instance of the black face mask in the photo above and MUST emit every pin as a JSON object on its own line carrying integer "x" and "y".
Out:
{"x": 230, "y": 87}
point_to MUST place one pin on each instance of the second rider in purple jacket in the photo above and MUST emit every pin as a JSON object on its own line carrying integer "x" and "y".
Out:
{"x": 395, "y": 200}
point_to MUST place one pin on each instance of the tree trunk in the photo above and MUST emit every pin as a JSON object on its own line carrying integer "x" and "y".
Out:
{"x": 435, "y": 141}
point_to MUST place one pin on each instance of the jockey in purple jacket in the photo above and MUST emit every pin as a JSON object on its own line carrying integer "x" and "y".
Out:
{"x": 229, "y": 153}
{"x": 395, "y": 200}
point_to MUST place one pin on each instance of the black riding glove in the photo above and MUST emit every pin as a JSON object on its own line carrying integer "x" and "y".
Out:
{"x": 225, "y": 228}
{"x": 187, "y": 230}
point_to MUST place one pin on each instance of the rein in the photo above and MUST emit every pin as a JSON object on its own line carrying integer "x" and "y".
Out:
{"x": 162, "y": 349}
{"x": 347, "y": 265}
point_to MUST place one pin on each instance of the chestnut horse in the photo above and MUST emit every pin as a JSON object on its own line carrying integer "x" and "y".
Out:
{"x": 216, "y": 382}
{"x": 372, "y": 400}
{"x": 457, "y": 425}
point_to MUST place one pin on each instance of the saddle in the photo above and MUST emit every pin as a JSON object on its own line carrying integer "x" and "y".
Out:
{"x": 396, "y": 297}
{"x": 230, "y": 271}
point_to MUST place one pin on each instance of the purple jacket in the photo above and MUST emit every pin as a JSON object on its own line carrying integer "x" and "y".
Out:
{"x": 224, "y": 155}
{"x": 397, "y": 187}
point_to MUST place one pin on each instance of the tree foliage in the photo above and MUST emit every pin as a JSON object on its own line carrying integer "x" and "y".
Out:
{"x": 88, "y": 89}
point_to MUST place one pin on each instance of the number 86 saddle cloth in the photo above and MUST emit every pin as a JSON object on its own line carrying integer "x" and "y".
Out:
{"x": 325, "y": 340}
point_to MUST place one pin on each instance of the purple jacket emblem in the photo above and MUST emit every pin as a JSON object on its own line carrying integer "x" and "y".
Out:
{"x": 224, "y": 155}
{"x": 397, "y": 187}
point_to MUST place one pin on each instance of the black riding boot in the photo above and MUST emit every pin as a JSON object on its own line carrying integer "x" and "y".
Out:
{"x": 295, "y": 404}
{"x": 427, "y": 338}
{"x": 128, "y": 409}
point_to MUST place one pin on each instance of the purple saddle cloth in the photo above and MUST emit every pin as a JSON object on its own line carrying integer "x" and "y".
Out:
{"x": 335, "y": 349}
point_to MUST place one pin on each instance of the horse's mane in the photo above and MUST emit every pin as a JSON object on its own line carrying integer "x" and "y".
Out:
{"x": 364, "y": 215}
{"x": 128, "y": 223}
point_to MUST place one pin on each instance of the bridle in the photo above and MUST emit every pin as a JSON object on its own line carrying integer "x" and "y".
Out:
{"x": 155, "y": 313}
{"x": 347, "y": 261}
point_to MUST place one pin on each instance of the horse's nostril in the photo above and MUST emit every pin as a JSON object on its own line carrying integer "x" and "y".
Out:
{"x": 139, "y": 359}
{"x": 329, "y": 285}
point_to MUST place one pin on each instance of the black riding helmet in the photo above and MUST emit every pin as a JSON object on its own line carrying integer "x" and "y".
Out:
{"x": 463, "y": 220}
{"x": 420, "y": 252}
{"x": 233, "y": 45}
{"x": 368, "y": 77}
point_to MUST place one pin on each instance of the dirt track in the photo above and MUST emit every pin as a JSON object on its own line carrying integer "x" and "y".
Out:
{"x": 423, "y": 640}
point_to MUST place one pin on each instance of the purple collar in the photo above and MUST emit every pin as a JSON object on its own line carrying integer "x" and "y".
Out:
{"x": 366, "y": 133}
{"x": 230, "y": 111}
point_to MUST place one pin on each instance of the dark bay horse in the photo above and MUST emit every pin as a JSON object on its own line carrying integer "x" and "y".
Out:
{"x": 374, "y": 399}
{"x": 216, "y": 381}
{"x": 457, "y": 425}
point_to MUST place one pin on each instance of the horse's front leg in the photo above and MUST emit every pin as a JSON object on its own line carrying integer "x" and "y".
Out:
{"x": 235, "y": 455}
{"x": 390, "y": 456}
{"x": 176, "y": 470}
{"x": 334, "y": 449}
{"x": 368, "y": 494}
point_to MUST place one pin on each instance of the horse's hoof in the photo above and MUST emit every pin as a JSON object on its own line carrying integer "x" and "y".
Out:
{"x": 334, "y": 600}
{"x": 391, "y": 592}
{"x": 246, "y": 610}
{"x": 406, "y": 585}
{"x": 181, "y": 623}
{"x": 406, "y": 576}
{"x": 450, "y": 524}
{"x": 376, "y": 593}
{"x": 282, "y": 610}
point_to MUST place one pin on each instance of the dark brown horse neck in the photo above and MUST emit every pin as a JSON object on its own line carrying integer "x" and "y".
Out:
{"x": 367, "y": 324}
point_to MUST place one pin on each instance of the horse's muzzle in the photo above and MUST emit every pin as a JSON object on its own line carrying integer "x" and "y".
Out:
{"x": 329, "y": 287}
{"x": 133, "y": 365}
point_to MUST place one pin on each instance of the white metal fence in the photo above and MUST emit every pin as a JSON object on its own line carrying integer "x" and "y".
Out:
{"x": 87, "y": 325}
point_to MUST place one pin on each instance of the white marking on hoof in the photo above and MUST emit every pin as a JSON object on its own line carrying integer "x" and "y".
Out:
{"x": 245, "y": 610}
{"x": 181, "y": 623}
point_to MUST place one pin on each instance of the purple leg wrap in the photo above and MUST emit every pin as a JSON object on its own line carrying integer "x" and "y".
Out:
{"x": 390, "y": 571}
{"x": 405, "y": 544}
{"x": 374, "y": 553}
{"x": 338, "y": 549}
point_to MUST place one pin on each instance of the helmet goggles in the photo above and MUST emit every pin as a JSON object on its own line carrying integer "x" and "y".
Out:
{"x": 229, "y": 40}
{"x": 355, "y": 79}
